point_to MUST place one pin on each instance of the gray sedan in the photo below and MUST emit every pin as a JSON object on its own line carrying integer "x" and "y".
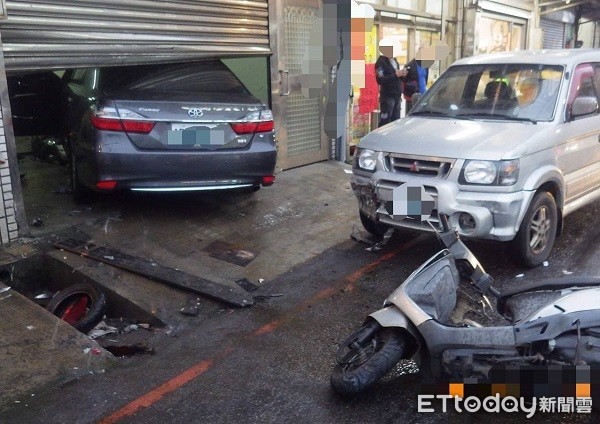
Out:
{"x": 173, "y": 127}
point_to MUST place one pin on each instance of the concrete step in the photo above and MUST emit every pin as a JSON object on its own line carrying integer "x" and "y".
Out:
{"x": 128, "y": 295}
{"x": 38, "y": 349}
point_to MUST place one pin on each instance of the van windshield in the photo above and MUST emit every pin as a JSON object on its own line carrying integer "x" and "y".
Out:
{"x": 519, "y": 92}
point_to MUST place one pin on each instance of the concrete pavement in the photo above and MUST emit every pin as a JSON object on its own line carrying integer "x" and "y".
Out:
{"x": 308, "y": 210}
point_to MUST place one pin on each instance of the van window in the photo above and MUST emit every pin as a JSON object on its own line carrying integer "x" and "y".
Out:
{"x": 582, "y": 84}
{"x": 495, "y": 91}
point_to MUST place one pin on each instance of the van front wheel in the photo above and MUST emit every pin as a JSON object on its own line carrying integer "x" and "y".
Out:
{"x": 537, "y": 232}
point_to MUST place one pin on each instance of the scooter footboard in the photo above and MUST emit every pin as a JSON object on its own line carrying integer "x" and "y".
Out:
{"x": 391, "y": 316}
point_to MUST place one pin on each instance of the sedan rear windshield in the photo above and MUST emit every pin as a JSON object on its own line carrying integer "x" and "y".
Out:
{"x": 516, "y": 92}
{"x": 204, "y": 77}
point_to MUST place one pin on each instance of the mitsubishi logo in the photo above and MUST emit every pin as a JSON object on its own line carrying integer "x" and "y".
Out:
{"x": 195, "y": 112}
{"x": 414, "y": 167}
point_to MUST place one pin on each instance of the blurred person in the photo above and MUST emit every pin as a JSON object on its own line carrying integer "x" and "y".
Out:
{"x": 415, "y": 81}
{"x": 389, "y": 77}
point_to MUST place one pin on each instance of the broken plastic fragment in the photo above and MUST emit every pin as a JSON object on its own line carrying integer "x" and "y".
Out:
{"x": 267, "y": 296}
{"x": 112, "y": 258}
{"x": 348, "y": 171}
{"x": 30, "y": 327}
{"x": 87, "y": 350}
{"x": 520, "y": 275}
{"x": 386, "y": 238}
{"x": 5, "y": 289}
{"x": 545, "y": 263}
{"x": 567, "y": 272}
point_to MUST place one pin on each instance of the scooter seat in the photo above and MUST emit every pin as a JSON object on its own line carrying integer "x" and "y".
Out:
{"x": 522, "y": 305}
{"x": 547, "y": 285}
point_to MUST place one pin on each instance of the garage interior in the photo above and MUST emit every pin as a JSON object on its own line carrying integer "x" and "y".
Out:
{"x": 40, "y": 39}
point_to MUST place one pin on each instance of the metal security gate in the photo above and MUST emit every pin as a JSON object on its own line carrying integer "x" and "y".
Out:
{"x": 55, "y": 34}
{"x": 554, "y": 33}
{"x": 298, "y": 119}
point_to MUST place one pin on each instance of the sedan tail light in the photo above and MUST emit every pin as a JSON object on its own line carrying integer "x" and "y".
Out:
{"x": 122, "y": 120}
{"x": 255, "y": 122}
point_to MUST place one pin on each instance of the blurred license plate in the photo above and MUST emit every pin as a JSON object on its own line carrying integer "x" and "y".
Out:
{"x": 194, "y": 135}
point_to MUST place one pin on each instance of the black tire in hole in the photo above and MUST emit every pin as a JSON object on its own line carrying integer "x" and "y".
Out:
{"x": 81, "y": 305}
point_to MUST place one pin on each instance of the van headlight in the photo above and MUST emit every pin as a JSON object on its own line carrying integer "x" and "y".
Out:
{"x": 485, "y": 172}
{"x": 366, "y": 159}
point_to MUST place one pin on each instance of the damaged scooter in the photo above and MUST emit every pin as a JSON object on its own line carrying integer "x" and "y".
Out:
{"x": 553, "y": 321}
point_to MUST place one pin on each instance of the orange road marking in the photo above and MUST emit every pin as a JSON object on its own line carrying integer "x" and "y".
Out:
{"x": 188, "y": 375}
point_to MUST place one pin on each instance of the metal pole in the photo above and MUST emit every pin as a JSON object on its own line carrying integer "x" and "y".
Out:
{"x": 443, "y": 23}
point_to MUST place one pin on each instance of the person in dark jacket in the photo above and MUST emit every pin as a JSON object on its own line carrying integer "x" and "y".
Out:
{"x": 389, "y": 77}
{"x": 415, "y": 81}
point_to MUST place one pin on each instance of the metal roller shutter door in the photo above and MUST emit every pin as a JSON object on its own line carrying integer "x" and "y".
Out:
{"x": 554, "y": 32}
{"x": 55, "y": 34}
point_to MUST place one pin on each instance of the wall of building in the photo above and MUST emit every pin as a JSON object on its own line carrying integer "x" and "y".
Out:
{"x": 12, "y": 216}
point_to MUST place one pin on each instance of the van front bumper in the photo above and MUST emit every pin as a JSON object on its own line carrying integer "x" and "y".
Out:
{"x": 491, "y": 215}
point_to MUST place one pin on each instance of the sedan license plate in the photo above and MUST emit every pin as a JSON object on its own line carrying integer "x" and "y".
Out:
{"x": 190, "y": 135}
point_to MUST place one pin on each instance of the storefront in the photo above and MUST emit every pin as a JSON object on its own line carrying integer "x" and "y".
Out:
{"x": 500, "y": 28}
{"x": 412, "y": 29}
{"x": 557, "y": 29}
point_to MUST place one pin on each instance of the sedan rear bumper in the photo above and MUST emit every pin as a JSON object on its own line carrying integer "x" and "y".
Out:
{"x": 155, "y": 170}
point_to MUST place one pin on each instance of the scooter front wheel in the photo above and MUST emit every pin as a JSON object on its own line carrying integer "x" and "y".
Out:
{"x": 365, "y": 357}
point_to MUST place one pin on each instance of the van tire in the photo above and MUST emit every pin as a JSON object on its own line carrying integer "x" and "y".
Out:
{"x": 535, "y": 238}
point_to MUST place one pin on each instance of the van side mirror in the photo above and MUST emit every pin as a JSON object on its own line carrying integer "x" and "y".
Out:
{"x": 584, "y": 105}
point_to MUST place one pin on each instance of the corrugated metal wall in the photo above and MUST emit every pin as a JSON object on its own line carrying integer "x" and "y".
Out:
{"x": 45, "y": 34}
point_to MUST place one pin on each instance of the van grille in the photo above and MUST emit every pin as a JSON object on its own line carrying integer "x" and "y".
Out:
{"x": 418, "y": 166}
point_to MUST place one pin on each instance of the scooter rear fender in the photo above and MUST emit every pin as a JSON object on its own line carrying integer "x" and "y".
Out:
{"x": 391, "y": 316}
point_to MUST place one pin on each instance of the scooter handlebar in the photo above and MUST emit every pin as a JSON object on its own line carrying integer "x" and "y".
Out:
{"x": 444, "y": 222}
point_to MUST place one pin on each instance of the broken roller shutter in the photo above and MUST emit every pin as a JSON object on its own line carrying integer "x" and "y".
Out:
{"x": 553, "y": 34}
{"x": 54, "y": 34}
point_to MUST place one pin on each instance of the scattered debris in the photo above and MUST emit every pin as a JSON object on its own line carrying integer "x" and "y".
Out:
{"x": 37, "y": 222}
{"x": 566, "y": 272}
{"x": 110, "y": 258}
{"x": 246, "y": 284}
{"x": 145, "y": 326}
{"x": 545, "y": 263}
{"x": 191, "y": 310}
{"x": 362, "y": 236}
{"x": 62, "y": 190}
{"x": 229, "y": 253}
{"x": 5, "y": 289}
{"x": 267, "y": 296}
{"x": 130, "y": 328}
{"x": 102, "y": 329}
{"x": 386, "y": 238}
{"x": 348, "y": 171}
{"x": 520, "y": 276}
{"x": 87, "y": 350}
{"x": 261, "y": 280}
{"x": 43, "y": 298}
{"x": 131, "y": 350}
{"x": 30, "y": 327}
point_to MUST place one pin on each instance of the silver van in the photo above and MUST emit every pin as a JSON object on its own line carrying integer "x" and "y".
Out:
{"x": 506, "y": 144}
